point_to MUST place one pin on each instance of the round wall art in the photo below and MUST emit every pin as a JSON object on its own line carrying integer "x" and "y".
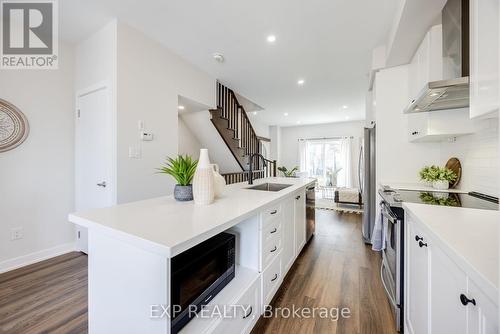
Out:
{"x": 14, "y": 127}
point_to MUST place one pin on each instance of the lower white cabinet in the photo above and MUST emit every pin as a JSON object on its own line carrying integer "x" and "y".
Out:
{"x": 247, "y": 312}
{"x": 439, "y": 296}
{"x": 288, "y": 234}
{"x": 300, "y": 221}
{"x": 271, "y": 280}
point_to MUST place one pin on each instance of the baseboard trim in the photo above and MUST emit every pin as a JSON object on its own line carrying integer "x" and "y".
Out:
{"x": 35, "y": 257}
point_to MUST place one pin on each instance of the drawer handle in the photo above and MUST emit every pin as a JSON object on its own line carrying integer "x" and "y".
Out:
{"x": 274, "y": 249}
{"x": 247, "y": 315}
{"x": 422, "y": 244}
{"x": 275, "y": 278}
{"x": 418, "y": 238}
{"x": 274, "y": 212}
{"x": 465, "y": 300}
{"x": 274, "y": 231}
{"x": 298, "y": 197}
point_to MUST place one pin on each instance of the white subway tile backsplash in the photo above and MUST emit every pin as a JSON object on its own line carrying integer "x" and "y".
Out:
{"x": 479, "y": 156}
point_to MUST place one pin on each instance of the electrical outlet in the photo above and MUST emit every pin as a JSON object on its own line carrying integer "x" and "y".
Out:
{"x": 16, "y": 233}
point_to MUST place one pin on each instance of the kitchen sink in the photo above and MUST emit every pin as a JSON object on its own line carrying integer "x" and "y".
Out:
{"x": 270, "y": 186}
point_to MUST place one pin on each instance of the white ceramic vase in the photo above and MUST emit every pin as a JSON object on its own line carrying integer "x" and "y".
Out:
{"x": 219, "y": 181}
{"x": 440, "y": 184}
{"x": 203, "y": 181}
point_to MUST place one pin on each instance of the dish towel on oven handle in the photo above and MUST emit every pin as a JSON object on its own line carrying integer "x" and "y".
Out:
{"x": 379, "y": 234}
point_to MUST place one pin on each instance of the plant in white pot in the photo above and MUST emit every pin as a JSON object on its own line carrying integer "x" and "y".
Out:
{"x": 440, "y": 177}
{"x": 182, "y": 169}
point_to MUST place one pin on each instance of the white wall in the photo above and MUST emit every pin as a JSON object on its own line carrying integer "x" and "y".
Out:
{"x": 289, "y": 146}
{"x": 187, "y": 143}
{"x": 398, "y": 161}
{"x": 36, "y": 178}
{"x": 478, "y": 154}
{"x": 261, "y": 129}
{"x": 150, "y": 79}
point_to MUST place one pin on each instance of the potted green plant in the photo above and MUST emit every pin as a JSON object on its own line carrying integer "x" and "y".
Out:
{"x": 288, "y": 173}
{"x": 440, "y": 177}
{"x": 182, "y": 169}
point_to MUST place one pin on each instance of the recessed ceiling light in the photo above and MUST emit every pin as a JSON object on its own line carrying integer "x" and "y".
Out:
{"x": 298, "y": 122}
{"x": 254, "y": 113}
{"x": 271, "y": 39}
{"x": 434, "y": 94}
{"x": 286, "y": 114}
{"x": 300, "y": 82}
{"x": 181, "y": 107}
{"x": 219, "y": 57}
{"x": 344, "y": 107}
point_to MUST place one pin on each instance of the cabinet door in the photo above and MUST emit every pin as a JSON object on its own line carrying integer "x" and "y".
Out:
{"x": 448, "y": 281}
{"x": 483, "y": 317}
{"x": 417, "y": 281}
{"x": 484, "y": 54}
{"x": 288, "y": 234}
{"x": 300, "y": 221}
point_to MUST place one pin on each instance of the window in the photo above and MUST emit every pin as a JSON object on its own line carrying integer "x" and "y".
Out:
{"x": 328, "y": 160}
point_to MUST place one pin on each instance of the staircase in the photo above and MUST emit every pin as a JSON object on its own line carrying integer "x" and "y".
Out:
{"x": 232, "y": 123}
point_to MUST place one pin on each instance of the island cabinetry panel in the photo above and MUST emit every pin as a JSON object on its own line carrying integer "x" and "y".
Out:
{"x": 441, "y": 296}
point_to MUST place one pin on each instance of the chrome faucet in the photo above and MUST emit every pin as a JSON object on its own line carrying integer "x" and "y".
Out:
{"x": 250, "y": 169}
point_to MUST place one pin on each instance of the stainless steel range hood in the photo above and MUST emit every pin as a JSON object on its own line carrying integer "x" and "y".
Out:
{"x": 453, "y": 92}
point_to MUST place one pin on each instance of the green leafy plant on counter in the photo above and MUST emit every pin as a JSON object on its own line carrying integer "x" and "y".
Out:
{"x": 288, "y": 173}
{"x": 436, "y": 173}
{"x": 182, "y": 169}
{"x": 447, "y": 199}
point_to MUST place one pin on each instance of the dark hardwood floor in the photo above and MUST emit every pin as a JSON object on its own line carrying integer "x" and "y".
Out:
{"x": 46, "y": 297}
{"x": 336, "y": 269}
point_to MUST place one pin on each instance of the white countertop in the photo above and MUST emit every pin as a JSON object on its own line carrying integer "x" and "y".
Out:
{"x": 168, "y": 227}
{"x": 471, "y": 235}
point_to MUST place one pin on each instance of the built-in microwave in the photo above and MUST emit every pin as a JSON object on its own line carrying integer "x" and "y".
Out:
{"x": 198, "y": 275}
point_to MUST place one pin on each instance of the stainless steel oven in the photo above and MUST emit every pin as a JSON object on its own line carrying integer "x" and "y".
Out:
{"x": 391, "y": 271}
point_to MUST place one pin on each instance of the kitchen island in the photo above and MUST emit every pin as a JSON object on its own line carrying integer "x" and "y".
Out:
{"x": 131, "y": 247}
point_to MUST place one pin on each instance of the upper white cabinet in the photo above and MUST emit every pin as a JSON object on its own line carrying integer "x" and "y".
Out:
{"x": 440, "y": 297}
{"x": 439, "y": 125}
{"x": 427, "y": 62}
{"x": 484, "y": 57}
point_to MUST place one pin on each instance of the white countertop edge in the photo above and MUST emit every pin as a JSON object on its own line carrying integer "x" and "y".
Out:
{"x": 419, "y": 187}
{"x": 491, "y": 288}
{"x": 169, "y": 252}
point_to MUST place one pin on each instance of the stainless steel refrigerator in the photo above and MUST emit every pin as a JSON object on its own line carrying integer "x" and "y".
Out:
{"x": 366, "y": 172}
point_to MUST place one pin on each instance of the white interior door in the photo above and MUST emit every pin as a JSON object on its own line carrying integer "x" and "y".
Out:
{"x": 93, "y": 155}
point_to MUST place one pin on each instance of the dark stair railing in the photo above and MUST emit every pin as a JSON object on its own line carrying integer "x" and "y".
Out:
{"x": 231, "y": 121}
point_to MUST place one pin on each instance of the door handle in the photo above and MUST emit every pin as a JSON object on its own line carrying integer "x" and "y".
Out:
{"x": 275, "y": 278}
{"x": 418, "y": 238}
{"x": 422, "y": 244}
{"x": 102, "y": 184}
{"x": 274, "y": 249}
{"x": 298, "y": 197}
{"x": 274, "y": 231}
{"x": 465, "y": 300}
{"x": 274, "y": 212}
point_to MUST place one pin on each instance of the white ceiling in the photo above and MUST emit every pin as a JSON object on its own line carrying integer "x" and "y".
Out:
{"x": 327, "y": 43}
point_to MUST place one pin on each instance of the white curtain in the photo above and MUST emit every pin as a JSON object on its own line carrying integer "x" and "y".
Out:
{"x": 303, "y": 155}
{"x": 345, "y": 175}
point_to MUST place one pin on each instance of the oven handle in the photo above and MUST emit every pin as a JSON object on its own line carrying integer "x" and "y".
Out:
{"x": 386, "y": 212}
{"x": 391, "y": 297}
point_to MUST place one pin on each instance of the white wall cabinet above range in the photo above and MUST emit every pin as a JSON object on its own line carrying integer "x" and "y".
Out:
{"x": 484, "y": 58}
{"x": 439, "y": 125}
{"x": 449, "y": 271}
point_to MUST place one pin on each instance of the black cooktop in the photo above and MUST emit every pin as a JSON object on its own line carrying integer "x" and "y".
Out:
{"x": 471, "y": 200}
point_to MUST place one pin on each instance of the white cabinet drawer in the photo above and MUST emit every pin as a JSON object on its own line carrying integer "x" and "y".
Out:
{"x": 244, "y": 314}
{"x": 271, "y": 279}
{"x": 270, "y": 250}
{"x": 270, "y": 214}
{"x": 272, "y": 230}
